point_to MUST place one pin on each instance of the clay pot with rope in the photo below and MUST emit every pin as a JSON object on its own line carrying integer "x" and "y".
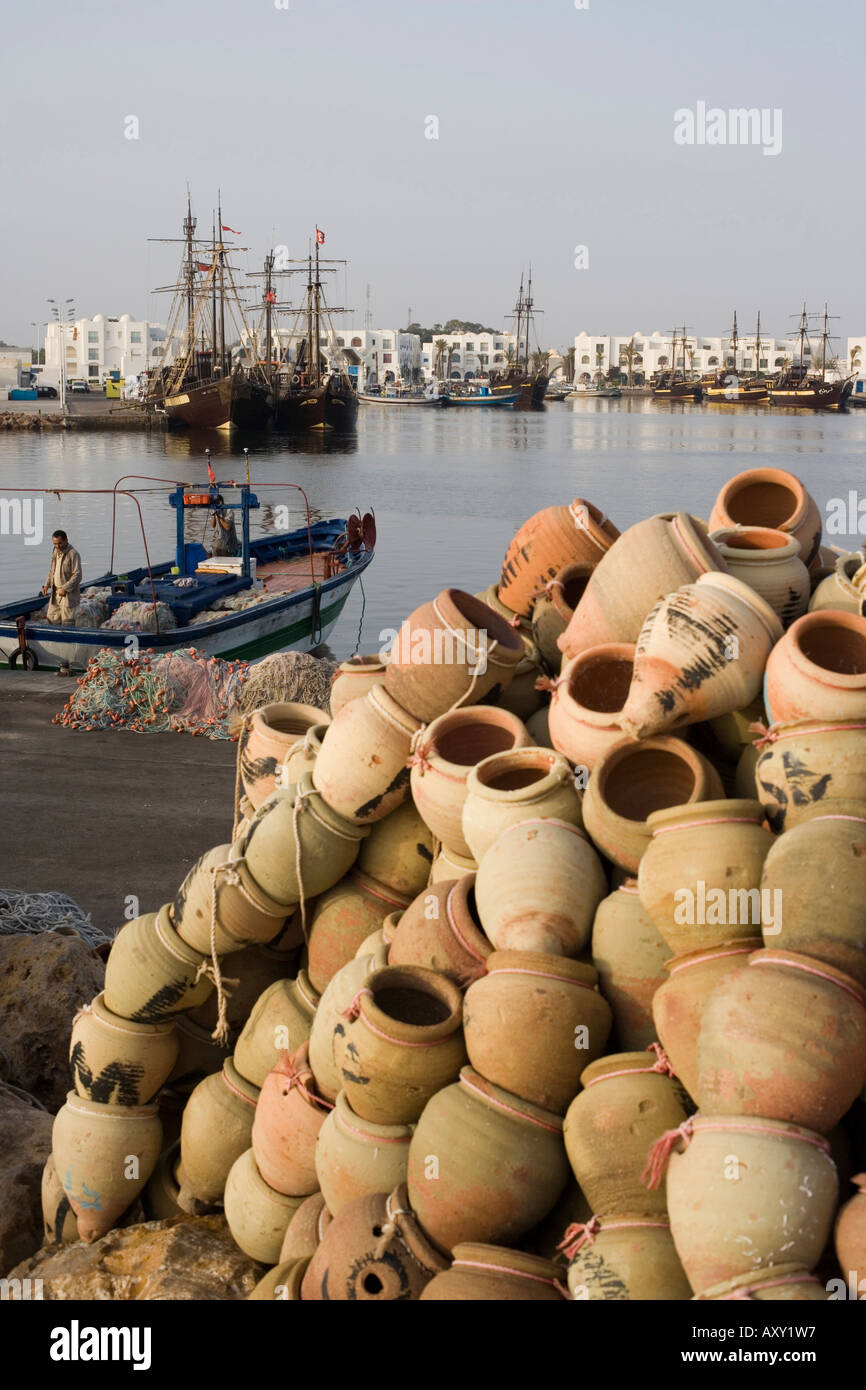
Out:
{"x": 289, "y": 1114}
{"x": 104, "y": 1156}
{"x": 587, "y": 699}
{"x": 343, "y": 917}
{"x": 446, "y": 753}
{"x": 329, "y": 1016}
{"x": 549, "y": 540}
{"x": 355, "y": 1157}
{"x": 354, "y": 678}
{"x": 254, "y": 969}
{"x": 818, "y": 670}
{"x": 785, "y": 1038}
{"x": 118, "y": 1062}
{"x": 769, "y": 562}
{"x": 513, "y": 786}
{"x": 554, "y": 608}
{"x": 151, "y": 974}
{"x": 403, "y": 1041}
{"x": 281, "y": 1020}
{"x": 441, "y": 930}
{"x": 267, "y": 738}
{"x": 451, "y": 651}
{"x": 629, "y": 954}
{"x": 538, "y": 886}
{"x": 628, "y": 1101}
{"x": 398, "y": 852}
{"x": 302, "y": 757}
{"x": 624, "y": 1258}
{"x": 493, "y": 1274}
{"x": 257, "y": 1215}
{"x": 219, "y": 906}
{"x": 552, "y": 1005}
{"x": 306, "y": 1229}
{"x": 484, "y": 1165}
{"x": 362, "y": 768}
{"x": 374, "y": 1250}
{"x": 679, "y": 1002}
{"x": 744, "y": 1194}
{"x": 770, "y": 497}
{"x": 216, "y": 1128}
{"x": 784, "y": 1283}
{"x": 849, "y": 1235}
{"x": 803, "y": 764}
{"x": 298, "y": 846}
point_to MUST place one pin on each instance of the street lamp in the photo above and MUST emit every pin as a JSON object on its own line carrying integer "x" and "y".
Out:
{"x": 61, "y": 324}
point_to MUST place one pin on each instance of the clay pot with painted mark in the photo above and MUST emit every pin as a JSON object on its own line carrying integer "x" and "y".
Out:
{"x": 818, "y": 670}
{"x": 289, "y": 1115}
{"x": 784, "y": 1283}
{"x": 849, "y": 1235}
{"x": 806, "y": 764}
{"x": 343, "y": 917}
{"x": 484, "y": 1165}
{"x": 821, "y": 914}
{"x": 270, "y": 734}
{"x": 507, "y": 788}
{"x": 744, "y": 1195}
{"x": 839, "y": 590}
{"x": 785, "y": 1038}
{"x": 552, "y": 538}
{"x": 373, "y": 1251}
{"x": 631, "y": 781}
{"x": 453, "y": 650}
{"x": 280, "y": 1021}
{"x": 305, "y": 1230}
{"x": 538, "y": 886}
{"x": 770, "y": 563}
{"x": 354, "y": 679}
{"x": 628, "y": 1101}
{"x": 770, "y": 497}
{"x": 552, "y": 1005}
{"x": 151, "y": 974}
{"x": 362, "y": 769}
{"x": 587, "y": 700}
{"x": 216, "y": 1129}
{"x": 448, "y": 751}
{"x": 257, "y": 1216}
{"x": 629, "y": 954}
{"x": 118, "y": 1062}
{"x": 701, "y": 652}
{"x": 448, "y": 864}
{"x": 60, "y": 1224}
{"x": 700, "y": 877}
{"x": 624, "y": 1259}
{"x": 554, "y": 608}
{"x": 679, "y": 1002}
{"x": 300, "y": 825}
{"x": 403, "y": 1041}
{"x": 398, "y": 852}
{"x": 220, "y": 887}
{"x": 329, "y": 1016}
{"x": 648, "y": 561}
{"x": 441, "y": 930}
{"x": 104, "y": 1156}
{"x": 493, "y": 1274}
{"x": 355, "y": 1157}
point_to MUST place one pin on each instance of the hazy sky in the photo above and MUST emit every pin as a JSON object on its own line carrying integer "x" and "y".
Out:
{"x": 555, "y": 130}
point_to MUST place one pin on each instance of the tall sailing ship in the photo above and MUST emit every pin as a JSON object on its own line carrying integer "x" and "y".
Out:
{"x": 314, "y": 391}
{"x": 678, "y": 383}
{"x": 729, "y": 385}
{"x": 201, "y": 388}
{"x": 518, "y": 377}
{"x": 803, "y": 389}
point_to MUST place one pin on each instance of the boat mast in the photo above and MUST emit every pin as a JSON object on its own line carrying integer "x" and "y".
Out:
{"x": 519, "y": 316}
{"x": 188, "y": 231}
{"x": 222, "y": 288}
{"x": 528, "y": 314}
{"x": 825, "y": 339}
{"x": 213, "y": 304}
{"x": 685, "y": 370}
{"x": 269, "y": 300}
{"x": 673, "y": 354}
{"x": 758, "y": 346}
{"x": 317, "y": 285}
{"x": 735, "y": 342}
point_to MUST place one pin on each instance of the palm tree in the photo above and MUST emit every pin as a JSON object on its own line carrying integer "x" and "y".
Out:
{"x": 599, "y": 358}
{"x": 540, "y": 361}
{"x": 567, "y": 355}
{"x": 626, "y": 355}
{"x": 510, "y": 355}
{"x": 441, "y": 347}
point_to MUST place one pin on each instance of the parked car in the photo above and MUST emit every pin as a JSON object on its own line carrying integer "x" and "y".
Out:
{"x": 47, "y": 392}
{"x": 76, "y": 386}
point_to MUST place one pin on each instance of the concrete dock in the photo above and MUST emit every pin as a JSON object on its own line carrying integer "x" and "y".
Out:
{"x": 103, "y": 816}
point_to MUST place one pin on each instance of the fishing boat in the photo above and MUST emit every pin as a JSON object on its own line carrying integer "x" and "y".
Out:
{"x": 484, "y": 396}
{"x": 800, "y": 388}
{"x": 283, "y": 590}
{"x": 529, "y": 386}
{"x": 389, "y": 397}
{"x": 604, "y": 392}
{"x": 730, "y": 386}
{"x": 677, "y": 383}
{"x": 315, "y": 393}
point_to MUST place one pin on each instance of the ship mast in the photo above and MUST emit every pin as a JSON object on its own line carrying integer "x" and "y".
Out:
{"x": 213, "y": 303}
{"x": 189, "y": 231}
{"x": 758, "y": 346}
{"x": 518, "y": 315}
{"x": 734, "y": 342}
{"x": 222, "y": 289}
{"x": 528, "y": 314}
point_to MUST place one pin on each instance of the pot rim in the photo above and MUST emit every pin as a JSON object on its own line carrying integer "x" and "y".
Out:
{"x": 703, "y": 814}
{"x": 495, "y": 1259}
{"x": 626, "y": 748}
{"x": 387, "y": 708}
{"x": 591, "y": 656}
{"x": 359, "y": 665}
{"x": 757, "y": 1279}
{"x": 479, "y": 715}
{"x": 557, "y": 774}
{"x": 468, "y": 932}
{"x": 826, "y": 617}
{"x": 786, "y": 548}
{"x": 163, "y": 926}
{"x": 305, "y": 716}
{"x": 99, "y": 1010}
{"x": 449, "y": 605}
{"x": 306, "y": 989}
{"x": 415, "y": 977}
{"x": 810, "y": 965}
{"x": 505, "y": 1101}
{"x": 238, "y": 1084}
{"x": 98, "y": 1109}
{"x": 343, "y": 1115}
{"x": 781, "y": 478}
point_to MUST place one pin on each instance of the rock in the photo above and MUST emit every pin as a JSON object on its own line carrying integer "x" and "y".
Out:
{"x": 186, "y": 1257}
{"x": 44, "y": 980}
{"x": 25, "y": 1143}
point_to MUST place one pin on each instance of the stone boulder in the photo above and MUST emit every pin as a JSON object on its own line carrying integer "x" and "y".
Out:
{"x": 25, "y": 1143}
{"x": 186, "y": 1257}
{"x": 44, "y": 980}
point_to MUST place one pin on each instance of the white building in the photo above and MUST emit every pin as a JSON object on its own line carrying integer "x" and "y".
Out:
{"x": 466, "y": 356}
{"x": 856, "y": 362}
{"x": 94, "y": 347}
{"x": 596, "y": 354}
{"x": 369, "y": 355}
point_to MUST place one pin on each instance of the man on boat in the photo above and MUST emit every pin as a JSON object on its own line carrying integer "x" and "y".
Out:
{"x": 64, "y": 580}
{"x": 225, "y": 541}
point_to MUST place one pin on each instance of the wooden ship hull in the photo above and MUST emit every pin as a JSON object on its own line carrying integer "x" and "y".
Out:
{"x": 327, "y": 407}
{"x": 529, "y": 391}
{"x": 812, "y": 394}
{"x": 203, "y": 406}
{"x": 739, "y": 393}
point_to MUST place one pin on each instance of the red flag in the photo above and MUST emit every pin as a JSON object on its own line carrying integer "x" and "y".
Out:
{"x": 200, "y": 265}
{"x": 320, "y": 237}
{"x": 229, "y": 229}
{"x": 210, "y": 472}
{"x": 270, "y": 297}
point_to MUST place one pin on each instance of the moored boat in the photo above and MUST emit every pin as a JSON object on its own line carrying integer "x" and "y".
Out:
{"x": 799, "y": 388}
{"x": 317, "y": 393}
{"x": 528, "y": 386}
{"x": 730, "y": 386}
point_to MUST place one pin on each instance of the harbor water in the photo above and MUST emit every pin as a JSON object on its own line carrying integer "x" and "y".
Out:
{"x": 448, "y": 488}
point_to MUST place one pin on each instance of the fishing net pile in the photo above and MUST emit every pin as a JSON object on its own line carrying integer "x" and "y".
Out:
{"x": 141, "y": 617}
{"x": 285, "y": 677}
{"x": 91, "y": 612}
{"x": 233, "y": 603}
{"x": 182, "y": 692}
{"x": 29, "y": 913}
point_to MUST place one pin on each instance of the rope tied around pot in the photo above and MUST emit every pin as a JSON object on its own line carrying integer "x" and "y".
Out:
{"x": 661, "y": 1151}
{"x": 301, "y": 799}
{"x": 550, "y": 683}
{"x": 391, "y": 1229}
{"x": 211, "y": 968}
{"x": 663, "y": 1062}
{"x": 354, "y": 1008}
{"x": 242, "y": 728}
{"x": 578, "y": 1234}
{"x": 295, "y": 1076}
